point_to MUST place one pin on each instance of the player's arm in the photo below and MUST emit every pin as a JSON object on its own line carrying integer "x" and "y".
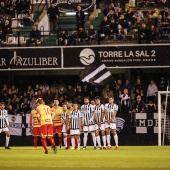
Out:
{"x": 114, "y": 115}
{"x": 68, "y": 122}
{"x": 95, "y": 117}
{"x": 80, "y": 124}
{"x": 52, "y": 114}
{"x": 102, "y": 117}
{"x": 31, "y": 121}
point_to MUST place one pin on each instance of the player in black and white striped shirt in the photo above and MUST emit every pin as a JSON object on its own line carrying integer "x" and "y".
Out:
{"x": 110, "y": 125}
{"x": 99, "y": 116}
{"x": 4, "y": 124}
{"x": 75, "y": 124}
{"x": 88, "y": 122}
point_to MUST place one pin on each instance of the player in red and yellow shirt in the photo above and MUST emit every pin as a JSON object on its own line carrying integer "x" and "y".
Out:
{"x": 35, "y": 126}
{"x": 57, "y": 121}
{"x": 45, "y": 116}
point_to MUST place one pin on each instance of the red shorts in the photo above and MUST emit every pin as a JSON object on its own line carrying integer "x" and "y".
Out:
{"x": 36, "y": 131}
{"x": 57, "y": 129}
{"x": 46, "y": 130}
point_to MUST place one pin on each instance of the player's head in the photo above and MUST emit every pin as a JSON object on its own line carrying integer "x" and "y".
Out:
{"x": 2, "y": 105}
{"x": 75, "y": 106}
{"x": 111, "y": 99}
{"x": 39, "y": 101}
{"x": 64, "y": 106}
{"x": 69, "y": 104}
{"x": 97, "y": 100}
{"x": 86, "y": 100}
{"x": 56, "y": 102}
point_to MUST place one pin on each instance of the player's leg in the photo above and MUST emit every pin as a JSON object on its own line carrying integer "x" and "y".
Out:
{"x": 64, "y": 136}
{"x": 43, "y": 130}
{"x": 51, "y": 137}
{"x": 113, "y": 127}
{"x": 59, "y": 129}
{"x": 102, "y": 128}
{"x": 68, "y": 139}
{"x": 6, "y": 131}
{"x": 72, "y": 139}
{"x": 85, "y": 130}
{"x": 97, "y": 136}
{"x": 107, "y": 126}
{"x": 92, "y": 130}
{"x": 35, "y": 133}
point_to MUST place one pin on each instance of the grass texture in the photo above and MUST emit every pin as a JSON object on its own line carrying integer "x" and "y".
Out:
{"x": 127, "y": 157}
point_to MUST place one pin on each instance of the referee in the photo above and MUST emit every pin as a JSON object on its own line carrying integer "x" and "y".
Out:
{"x": 4, "y": 124}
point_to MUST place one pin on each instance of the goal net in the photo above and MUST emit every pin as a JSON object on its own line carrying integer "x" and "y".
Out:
{"x": 163, "y": 118}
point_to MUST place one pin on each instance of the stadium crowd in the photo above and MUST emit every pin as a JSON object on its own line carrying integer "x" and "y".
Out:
{"x": 120, "y": 20}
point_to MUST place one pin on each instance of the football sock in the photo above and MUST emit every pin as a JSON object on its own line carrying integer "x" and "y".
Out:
{"x": 44, "y": 143}
{"x": 7, "y": 141}
{"x": 65, "y": 141}
{"x": 73, "y": 142}
{"x": 78, "y": 139}
{"x": 104, "y": 140}
{"x": 116, "y": 139}
{"x": 94, "y": 138}
{"x": 76, "y": 142}
{"x": 35, "y": 141}
{"x": 68, "y": 140}
{"x": 60, "y": 140}
{"x": 85, "y": 139}
{"x": 108, "y": 140}
{"x": 51, "y": 139}
{"x": 98, "y": 141}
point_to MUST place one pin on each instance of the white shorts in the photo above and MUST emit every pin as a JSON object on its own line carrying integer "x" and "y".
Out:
{"x": 89, "y": 128}
{"x": 112, "y": 126}
{"x": 101, "y": 127}
{"x": 4, "y": 130}
{"x": 74, "y": 132}
{"x": 64, "y": 129}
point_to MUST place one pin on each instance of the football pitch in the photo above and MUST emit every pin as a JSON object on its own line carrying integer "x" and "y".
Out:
{"x": 127, "y": 157}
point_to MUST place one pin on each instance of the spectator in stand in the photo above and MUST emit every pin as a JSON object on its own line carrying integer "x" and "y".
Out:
{"x": 151, "y": 107}
{"x": 2, "y": 8}
{"x": 2, "y": 38}
{"x": 91, "y": 34}
{"x": 159, "y": 25}
{"x": 79, "y": 94}
{"x": 118, "y": 13}
{"x": 62, "y": 87}
{"x": 28, "y": 18}
{"x": 125, "y": 101}
{"x": 37, "y": 88}
{"x": 137, "y": 25}
{"x": 70, "y": 93}
{"x": 106, "y": 10}
{"x": 56, "y": 94}
{"x": 44, "y": 87}
{"x": 128, "y": 86}
{"x": 154, "y": 34}
{"x": 162, "y": 84}
{"x": 112, "y": 6}
{"x": 104, "y": 28}
{"x": 72, "y": 38}
{"x": 80, "y": 16}
{"x": 7, "y": 29}
{"x": 106, "y": 93}
{"x": 144, "y": 34}
{"x": 164, "y": 14}
{"x": 53, "y": 14}
{"x": 53, "y": 86}
{"x": 156, "y": 13}
{"x": 122, "y": 25}
{"x": 11, "y": 111}
{"x": 143, "y": 95}
{"x": 113, "y": 27}
{"x": 26, "y": 5}
{"x": 25, "y": 105}
{"x": 152, "y": 92}
{"x": 40, "y": 94}
{"x": 34, "y": 37}
{"x": 48, "y": 97}
{"x": 111, "y": 15}
{"x": 63, "y": 38}
{"x": 129, "y": 16}
{"x": 150, "y": 21}
{"x": 82, "y": 37}
{"x": 33, "y": 103}
{"x": 139, "y": 85}
{"x": 17, "y": 105}
{"x": 117, "y": 93}
{"x": 12, "y": 90}
{"x": 19, "y": 4}
{"x": 137, "y": 14}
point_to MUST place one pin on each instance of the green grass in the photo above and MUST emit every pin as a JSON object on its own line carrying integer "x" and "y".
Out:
{"x": 127, "y": 157}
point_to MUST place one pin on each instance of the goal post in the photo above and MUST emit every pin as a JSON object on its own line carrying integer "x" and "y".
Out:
{"x": 161, "y": 128}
